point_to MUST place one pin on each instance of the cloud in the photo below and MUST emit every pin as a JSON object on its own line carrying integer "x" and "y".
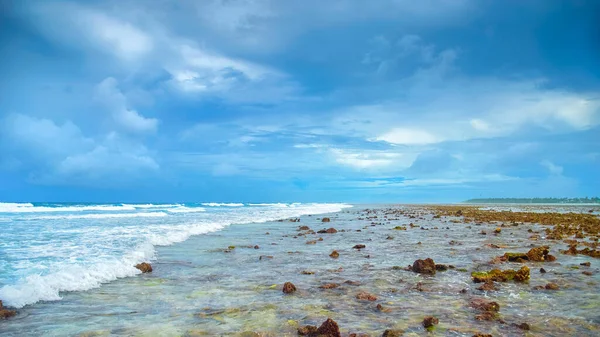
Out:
{"x": 408, "y": 136}
{"x": 113, "y": 159}
{"x": 42, "y": 137}
{"x": 552, "y": 168}
{"x": 109, "y": 95}
{"x": 88, "y": 27}
{"x": 62, "y": 155}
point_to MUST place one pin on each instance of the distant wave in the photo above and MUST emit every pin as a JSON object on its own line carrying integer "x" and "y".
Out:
{"x": 184, "y": 209}
{"x": 272, "y": 205}
{"x": 218, "y": 204}
{"x": 101, "y": 216}
{"x": 31, "y": 208}
{"x": 153, "y": 205}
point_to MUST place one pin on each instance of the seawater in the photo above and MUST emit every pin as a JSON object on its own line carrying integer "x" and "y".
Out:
{"x": 201, "y": 287}
{"x": 46, "y": 249}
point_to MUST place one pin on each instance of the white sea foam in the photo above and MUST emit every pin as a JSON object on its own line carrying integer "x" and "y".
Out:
{"x": 153, "y": 205}
{"x": 30, "y": 208}
{"x": 87, "y": 256}
{"x": 221, "y": 204}
{"x": 100, "y": 216}
{"x": 184, "y": 209}
{"x": 272, "y": 205}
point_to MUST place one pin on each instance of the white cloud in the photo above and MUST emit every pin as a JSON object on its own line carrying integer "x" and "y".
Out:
{"x": 406, "y": 136}
{"x": 89, "y": 27}
{"x": 552, "y": 168}
{"x": 373, "y": 159}
{"x": 121, "y": 38}
{"x": 108, "y": 93}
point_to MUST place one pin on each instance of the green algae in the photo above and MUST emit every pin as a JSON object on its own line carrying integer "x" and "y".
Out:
{"x": 497, "y": 275}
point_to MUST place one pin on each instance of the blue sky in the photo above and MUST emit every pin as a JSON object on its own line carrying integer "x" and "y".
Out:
{"x": 252, "y": 100}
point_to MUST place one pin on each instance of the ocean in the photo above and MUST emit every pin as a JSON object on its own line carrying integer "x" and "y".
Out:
{"x": 47, "y": 248}
{"x": 219, "y": 270}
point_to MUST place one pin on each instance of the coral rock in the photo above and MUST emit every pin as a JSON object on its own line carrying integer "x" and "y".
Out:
{"x": 325, "y": 220}
{"x": 329, "y": 286}
{"x": 498, "y": 275}
{"x": 392, "y": 333}
{"x": 289, "y": 288}
{"x": 430, "y": 321}
{"x": 359, "y": 246}
{"x": 303, "y": 228}
{"x": 486, "y": 316}
{"x": 334, "y": 254}
{"x": 328, "y": 231}
{"x": 426, "y": 266}
{"x": 523, "y": 326}
{"x": 5, "y": 313}
{"x": 485, "y": 305}
{"x": 144, "y": 267}
{"x": 365, "y": 296}
{"x": 307, "y": 330}
{"x": 441, "y": 267}
{"x": 482, "y": 335}
{"x": 551, "y": 286}
{"x": 329, "y": 328}
{"x": 488, "y": 286}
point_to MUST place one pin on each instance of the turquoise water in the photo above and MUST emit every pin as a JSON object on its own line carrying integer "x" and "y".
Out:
{"x": 200, "y": 287}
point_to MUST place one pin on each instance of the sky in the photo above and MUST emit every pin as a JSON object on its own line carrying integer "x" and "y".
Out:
{"x": 298, "y": 101}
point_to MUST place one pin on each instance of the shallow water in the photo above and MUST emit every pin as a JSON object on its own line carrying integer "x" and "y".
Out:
{"x": 197, "y": 288}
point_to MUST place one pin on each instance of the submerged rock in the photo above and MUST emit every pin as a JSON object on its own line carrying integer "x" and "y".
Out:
{"x": 307, "y": 330}
{"x": 329, "y": 286}
{"x": 325, "y": 220}
{"x": 6, "y": 313}
{"x": 334, "y": 254}
{"x": 289, "y": 288}
{"x": 481, "y": 335}
{"x": 485, "y": 305}
{"x": 328, "y": 231}
{"x": 392, "y": 333}
{"x": 430, "y": 321}
{"x": 365, "y": 296}
{"x": 144, "y": 267}
{"x": 523, "y": 326}
{"x": 441, "y": 267}
{"x": 488, "y": 286}
{"x": 426, "y": 266}
{"x": 359, "y": 246}
{"x": 329, "y": 328}
{"x": 303, "y": 228}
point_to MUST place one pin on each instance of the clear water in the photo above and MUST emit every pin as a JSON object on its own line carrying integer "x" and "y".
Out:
{"x": 198, "y": 288}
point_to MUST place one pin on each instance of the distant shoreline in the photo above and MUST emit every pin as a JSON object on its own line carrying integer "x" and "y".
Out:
{"x": 536, "y": 201}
